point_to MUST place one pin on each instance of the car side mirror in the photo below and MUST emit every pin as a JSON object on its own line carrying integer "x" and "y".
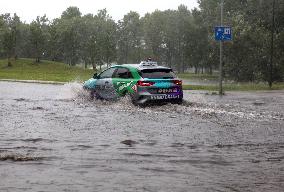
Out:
{"x": 95, "y": 76}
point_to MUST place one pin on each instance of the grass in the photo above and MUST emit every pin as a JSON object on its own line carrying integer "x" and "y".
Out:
{"x": 236, "y": 87}
{"x": 226, "y": 86}
{"x": 198, "y": 76}
{"x": 27, "y": 69}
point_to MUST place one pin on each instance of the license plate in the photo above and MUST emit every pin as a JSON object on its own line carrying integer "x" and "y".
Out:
{"x": 159, "y": 97}
{"x": 173, "y": 90}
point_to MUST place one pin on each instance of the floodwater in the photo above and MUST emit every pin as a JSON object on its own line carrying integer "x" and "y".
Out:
{"x": 52, "y": 138}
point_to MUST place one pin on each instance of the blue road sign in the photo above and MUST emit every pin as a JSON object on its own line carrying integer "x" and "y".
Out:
{"x": 223, "y": 33}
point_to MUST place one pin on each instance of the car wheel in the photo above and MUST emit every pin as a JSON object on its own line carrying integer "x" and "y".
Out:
{"x": 92, "y": 94}
{"x": 134, "y": 100}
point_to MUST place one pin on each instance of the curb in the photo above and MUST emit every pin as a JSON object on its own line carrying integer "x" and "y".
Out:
{"x": 34, "y": 81}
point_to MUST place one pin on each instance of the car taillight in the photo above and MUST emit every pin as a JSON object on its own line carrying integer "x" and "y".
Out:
{"x": 177, "y": 82}
{"x": 145, "y": 83}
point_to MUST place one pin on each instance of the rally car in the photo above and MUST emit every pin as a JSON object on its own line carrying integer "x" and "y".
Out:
{"x": 145, "y": 83}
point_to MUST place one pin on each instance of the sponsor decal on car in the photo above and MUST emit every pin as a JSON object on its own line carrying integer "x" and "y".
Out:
{"x": 174, "y": 90}
{"x": 123, "y": 86}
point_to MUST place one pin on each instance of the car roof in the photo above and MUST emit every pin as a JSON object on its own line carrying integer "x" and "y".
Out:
{"x": 141, "y": 67}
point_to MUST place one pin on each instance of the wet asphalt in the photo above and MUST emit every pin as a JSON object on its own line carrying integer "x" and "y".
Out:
{"x": 53, "y": 138}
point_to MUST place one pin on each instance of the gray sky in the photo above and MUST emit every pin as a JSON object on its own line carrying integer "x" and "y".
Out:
{"x": 29, "y": 9}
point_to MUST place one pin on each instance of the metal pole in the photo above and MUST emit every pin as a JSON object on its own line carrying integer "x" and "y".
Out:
{"x": 272, "y": 46}
{"x": 221, "y": 55}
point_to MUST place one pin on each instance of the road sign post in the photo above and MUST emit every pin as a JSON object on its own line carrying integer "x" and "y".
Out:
{"x": 222, "y": 33}
{"x": 221, "y": 69}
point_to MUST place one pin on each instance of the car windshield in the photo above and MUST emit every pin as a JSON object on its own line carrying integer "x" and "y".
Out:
{"x": 157, "y": 73}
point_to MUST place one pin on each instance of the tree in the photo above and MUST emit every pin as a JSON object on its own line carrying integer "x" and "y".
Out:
{"x": 106, "y": 40}
{"x": 71, "y": 12}
{"x": 10, "y": 35}
{"x": 99, "y": 42}
{"x": 180, "y": 38}
{"x": 130, "y": 38}
{"x": 184, "y": 26}
{"x": 38, "y": 36}
{"x": 69, "y": 31}
{"x": 153, "y": 25}
{"x": 53, "y": 51}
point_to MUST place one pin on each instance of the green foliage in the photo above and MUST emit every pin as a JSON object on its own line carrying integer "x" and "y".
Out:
{"x": 129, "y": 38}
{"x": 38, "y": 36}
{"x": 28, "y": 69}
{"x": 182, "y": 39}
{"x": 10, "y": 35}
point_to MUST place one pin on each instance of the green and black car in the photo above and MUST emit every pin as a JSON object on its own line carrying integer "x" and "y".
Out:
{"x": 145, "y": 83}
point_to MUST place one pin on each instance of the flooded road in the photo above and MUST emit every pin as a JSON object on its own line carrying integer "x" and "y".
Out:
{"x": 52, "y": 138}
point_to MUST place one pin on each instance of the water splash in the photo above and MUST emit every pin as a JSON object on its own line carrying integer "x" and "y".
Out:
{"x": 73, "y": 90}
{"x": 197, "y": 105}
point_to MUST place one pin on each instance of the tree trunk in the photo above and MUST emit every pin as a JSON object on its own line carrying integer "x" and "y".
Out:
{"x": 210, "y": 70}
{"x": 93, "y": 64}
{"x": 94, "y": 67}
{"x": 9, "y": 62}
{"x": 86, "y": 64}
{"x": 195, "y": 70}
{"x": 182, "y": 64}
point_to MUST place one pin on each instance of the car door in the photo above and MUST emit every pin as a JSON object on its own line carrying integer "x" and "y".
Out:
{"x": 122, "y": 80}
{"x": 104, "y": 86}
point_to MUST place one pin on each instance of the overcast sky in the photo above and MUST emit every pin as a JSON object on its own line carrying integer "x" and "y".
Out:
{"x": 29, "y": 9}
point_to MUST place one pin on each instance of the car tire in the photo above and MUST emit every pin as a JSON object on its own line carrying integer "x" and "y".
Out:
{"x": 92, "y": 94}
{"x": 134, "y": 100}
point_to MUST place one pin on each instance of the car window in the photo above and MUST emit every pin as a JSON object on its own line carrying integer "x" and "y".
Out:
{"x": 107, "y": 73}
{"x": 123, "y": 73}
{"x": 157, "y": 73}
